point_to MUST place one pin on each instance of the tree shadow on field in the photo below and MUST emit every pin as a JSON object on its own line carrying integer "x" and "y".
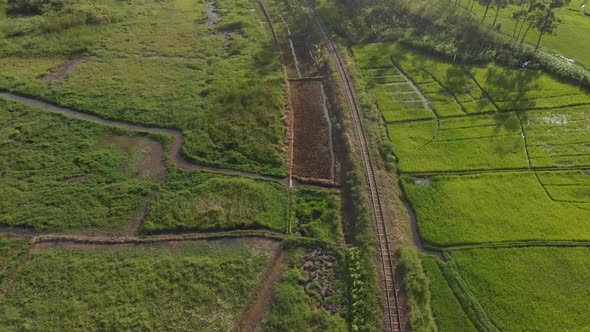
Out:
{"x": 510, "y": 87}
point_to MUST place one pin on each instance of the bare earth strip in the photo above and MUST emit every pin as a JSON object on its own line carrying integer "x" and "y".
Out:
{"x": 261, "y": 296}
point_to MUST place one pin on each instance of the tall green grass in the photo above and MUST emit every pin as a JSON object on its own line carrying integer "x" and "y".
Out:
{"x": 182, "y": 287}
{"x": 198, "y": 201}
{"x": 40, "y": 153}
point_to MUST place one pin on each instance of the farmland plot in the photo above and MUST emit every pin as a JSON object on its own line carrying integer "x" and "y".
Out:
{"x": 453, "y": 210}
{"x": 558, "y": 137}
{"x": 540, "y": 289}
{"x": 310, "y": 295}
{"x": 180, "y": 286}
{"x": 468, "y": 143}
{"x": 447, "y": 310}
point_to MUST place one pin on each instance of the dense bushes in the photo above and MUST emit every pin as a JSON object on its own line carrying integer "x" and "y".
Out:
{"x": 417, "y": 288}
{"x": 56, "y": 15}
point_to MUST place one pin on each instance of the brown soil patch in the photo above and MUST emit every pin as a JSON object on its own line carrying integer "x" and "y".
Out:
{"x": 61, "y": 72}
{"x": 312, "y": 155}
{"x": 145, "y": 155}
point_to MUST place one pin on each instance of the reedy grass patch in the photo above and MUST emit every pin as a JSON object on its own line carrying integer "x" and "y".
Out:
{"x": 185, "y": 286}
{"x": 41, "y": 153}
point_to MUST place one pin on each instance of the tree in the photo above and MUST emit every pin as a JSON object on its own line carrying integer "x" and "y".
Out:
{"x": 486, "y": 3}
{"x": 518, "y": 15}
{"x": 499, "y": 4}
{"x": 549, "y": 20}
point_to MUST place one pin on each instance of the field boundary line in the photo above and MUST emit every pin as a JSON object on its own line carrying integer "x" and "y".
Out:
{"x": 497, "y": 170}
{"x": 517, "y": 244}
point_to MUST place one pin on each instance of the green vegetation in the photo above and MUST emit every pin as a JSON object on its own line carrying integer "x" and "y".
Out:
{"x": 302, "y": 302}
{"x": 185, "y": 287}
{"x": 416, "y": 285}
{"x": 573, "y": 29}
{"x": 447, "y": 310}
{"x": 192, "y": 200}
{"x": 468, "y": 143}
{"x": 558, "y": 137}
{"x": 8, "y": 245}
{"x": 216, "y": 76}
{"x": 454, "y": 210}
{"x": 542, "y": 289}
{"x": 48, "y": 162}
{"x": 317, "y": 214}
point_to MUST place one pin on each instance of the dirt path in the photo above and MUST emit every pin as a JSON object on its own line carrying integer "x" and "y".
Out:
{"x": 261, "y": 296}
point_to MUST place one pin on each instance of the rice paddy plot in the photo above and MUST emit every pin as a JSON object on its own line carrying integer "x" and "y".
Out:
{"x": 467, "y": 143}
{"x": 199, "y": 201}
{"x": 493, "y": 207}
{"x": 522, "y": 89}
{"x": 449, "y": 87}
{"x": 558, "y": 137}
{"x": 187, "y": 286}
{"x": 529, "y": 289}
{"x": 570, "y": 186}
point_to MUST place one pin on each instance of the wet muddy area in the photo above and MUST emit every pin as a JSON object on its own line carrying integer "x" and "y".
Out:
{"x": 319, "y": 271}
{"x": 60, "y": 73}
{"x": 145, "y": 155}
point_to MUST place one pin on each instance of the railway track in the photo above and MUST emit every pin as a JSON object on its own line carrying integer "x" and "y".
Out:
{"x": 393, "y": 321}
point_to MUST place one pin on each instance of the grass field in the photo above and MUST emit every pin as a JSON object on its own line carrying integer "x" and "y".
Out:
{"x": 308, "y": 298}
{"x": 191, "y": 201}
{"x": 317, "y": 215}
{"x": 8, "y": 246}
{"x": 216, "y": 76}
{"x": 447, "y": 310}
{"x": 483, "y": 208}
{"x": 532, "y": 289}
{"x": 59, "y": 173}
{"x": 469, "y": 143}
{"x": 183, "y": 287}
{"x": 574, "y": 30}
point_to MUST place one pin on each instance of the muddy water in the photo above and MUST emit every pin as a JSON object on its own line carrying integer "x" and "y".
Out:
{"x": 174, "y": 154}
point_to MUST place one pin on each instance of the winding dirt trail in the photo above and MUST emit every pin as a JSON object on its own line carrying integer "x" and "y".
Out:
{"x": 174, "y": 154}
